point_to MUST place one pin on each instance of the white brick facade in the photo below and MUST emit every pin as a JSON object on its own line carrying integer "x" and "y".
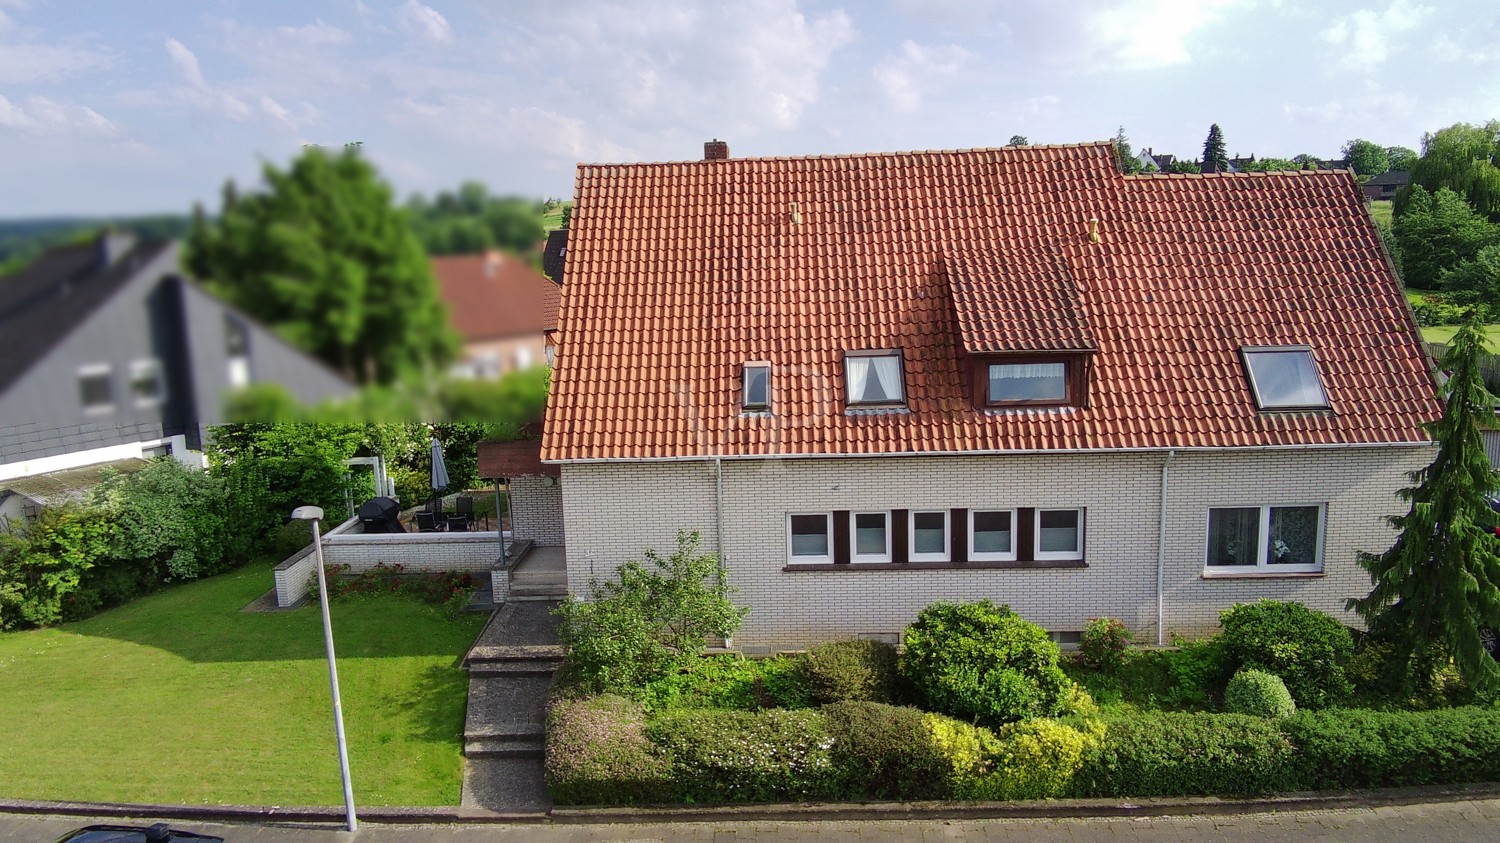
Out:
{"x": 616, "y": 510}
{"x": 536, "y": 510}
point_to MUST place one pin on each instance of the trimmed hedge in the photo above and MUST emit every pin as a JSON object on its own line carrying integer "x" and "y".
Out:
{"x": 851, "y": 670}
{"x": 1189, "y": 754}
{"x": 1358, "y": 748}
{"x": 1307, "y": 649}
{"x": 598, "y": 753}
{"x": 739, "y": 756}
{"x": 1259, "y": 693}
{"x": 885, "y": 752}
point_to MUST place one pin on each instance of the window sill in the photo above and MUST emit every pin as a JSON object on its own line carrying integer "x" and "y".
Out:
{"x": 1263, "y": 575}
{"x": 826, "y": 567}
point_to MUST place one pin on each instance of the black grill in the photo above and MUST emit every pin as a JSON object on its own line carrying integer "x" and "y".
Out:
{"x": 381, "y": 515}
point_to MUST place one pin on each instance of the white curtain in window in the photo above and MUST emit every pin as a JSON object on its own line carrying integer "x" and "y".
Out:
{"x": 1027, "y": 371}
{"x": 858, "y": 370}
{"x": 888, "y": 372}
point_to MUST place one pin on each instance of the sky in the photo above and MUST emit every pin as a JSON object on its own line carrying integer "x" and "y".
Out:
{"x": 151, "y": 105}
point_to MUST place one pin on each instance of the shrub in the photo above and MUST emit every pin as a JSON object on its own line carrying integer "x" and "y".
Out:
{"x": 598, "y": 753}
{"x": 290, "y": 538}
{"x": 1258, "y": 693}
{"x": 1357, "y": 748}
{"x": 884, "y": 752}
{"x": 982, "y": 661}
{"x": 44, "y": 567}
{"x": 1307, "y": 649}
{"x": 851, "y": 670}
{"x": 1037, "y": 759}
{"x": 1103, "y": 644}
{"x": 639, "y": 627}
{"x": 1196, "y": 671}
{"x": 1185, "y": 754}
{"x": 738, "y": 756}
{"x": 730, "y": 682}
{"x": 970, "y": 751}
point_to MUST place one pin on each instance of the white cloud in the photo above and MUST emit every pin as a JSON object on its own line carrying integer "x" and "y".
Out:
{"x": 1369, "y": 37}
{"x": 425, "y": 21}
{"x": 472, "y": 121}
{"x": 26, "y": 63}
{"x": 1143, "y": 34}
{"x": 186, "y": 63}
{"x": 906, "y": 75}
{"x": 48, "y": 118}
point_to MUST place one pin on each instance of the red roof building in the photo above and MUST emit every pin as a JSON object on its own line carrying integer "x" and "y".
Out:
{"x": 501, "y": 307}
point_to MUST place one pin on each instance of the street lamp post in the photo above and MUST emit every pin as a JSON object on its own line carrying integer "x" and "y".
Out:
{"x": 315, "y": 515}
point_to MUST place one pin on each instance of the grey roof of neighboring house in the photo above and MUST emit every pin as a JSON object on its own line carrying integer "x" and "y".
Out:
{"x": 555, "y": 254}
{"x": 73, "y": 484}
{"x": 1396, "y": 177}
{"x": 43, "y": 303}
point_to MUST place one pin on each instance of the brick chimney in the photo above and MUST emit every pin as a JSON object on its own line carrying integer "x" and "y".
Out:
{"x": 715, "y": 150}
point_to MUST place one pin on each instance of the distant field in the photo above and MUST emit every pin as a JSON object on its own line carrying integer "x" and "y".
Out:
{"x": 553, "y": 218}
{"x": 1444, "y": 334}
{"x": 1381, "y": 210}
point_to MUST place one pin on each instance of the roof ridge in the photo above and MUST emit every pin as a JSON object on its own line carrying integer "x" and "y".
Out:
{"x": 848, "y": 155}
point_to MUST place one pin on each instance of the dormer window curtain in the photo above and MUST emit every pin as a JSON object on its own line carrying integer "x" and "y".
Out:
{"x": 874, "y": 378}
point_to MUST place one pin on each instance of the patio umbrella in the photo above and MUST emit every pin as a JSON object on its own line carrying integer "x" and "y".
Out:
{"x": 439, "y": 474}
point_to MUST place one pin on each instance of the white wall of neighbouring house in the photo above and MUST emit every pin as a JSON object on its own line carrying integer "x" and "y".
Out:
{"x": 613, "y": 511}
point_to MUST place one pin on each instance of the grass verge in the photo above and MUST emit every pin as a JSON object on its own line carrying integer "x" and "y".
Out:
{"x": 181, "y": 698}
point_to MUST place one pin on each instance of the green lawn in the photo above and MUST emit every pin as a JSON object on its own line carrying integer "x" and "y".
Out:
{"x": 1444, "y": 334}
{"x": 553, "y": 218}
{"x": 1382, "y": 210}
{"x": 180, "y": 697}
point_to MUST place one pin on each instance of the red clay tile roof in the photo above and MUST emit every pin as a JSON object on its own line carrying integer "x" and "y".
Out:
{"x": 514, "y": 459}
{"x": 551, "y": 301}
{"x": 680, "y": 272}
{"x": 493, "y": 295}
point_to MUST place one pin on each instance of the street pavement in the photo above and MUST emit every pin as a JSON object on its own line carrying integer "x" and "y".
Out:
{"x": 1475, "y": 821}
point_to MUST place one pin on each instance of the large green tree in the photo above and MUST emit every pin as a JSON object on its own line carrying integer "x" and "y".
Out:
{"x": 1476, "y": 282}
{"x": 1366, "y": 158}
{"x": 1439, "y": 584}
{"x": 472, "y": 220}
{"x": 1437, "y": 232}
{"x": 324, "y": 257}
{"x": 1464, "y": 159}
{"x": 1125, "y": 155}
{"x": 1215, "y": 154}
{"x": 1402, "y": 158}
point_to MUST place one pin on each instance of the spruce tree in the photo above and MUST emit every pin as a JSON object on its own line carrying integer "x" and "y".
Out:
{"x": 1439, "y": 584}
{"x": 1215, "y": 155}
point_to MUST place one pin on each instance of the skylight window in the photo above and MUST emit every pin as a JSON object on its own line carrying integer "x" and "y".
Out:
{"x": 874, "y": 378}
{"x": 1285, "y": 378}
{"x": 757, "y": 387}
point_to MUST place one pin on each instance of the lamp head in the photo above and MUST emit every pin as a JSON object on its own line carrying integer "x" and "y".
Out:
{"x": 308, "y": 513}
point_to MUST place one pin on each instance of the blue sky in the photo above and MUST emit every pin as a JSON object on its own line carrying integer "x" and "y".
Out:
{"x": 150, "y": 106}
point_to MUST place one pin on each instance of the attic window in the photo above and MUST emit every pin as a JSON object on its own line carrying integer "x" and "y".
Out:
{"x": 1011, "y": 382}
{"x": 757, "y": 387}
{"x": 874, "y": 378}
{"x": 1053, "y": 379}
{"x": 1284, "y": 378}
{"x": 96, "y": 388}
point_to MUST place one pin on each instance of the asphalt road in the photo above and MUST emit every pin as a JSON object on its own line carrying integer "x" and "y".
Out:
{"x": 1448, "y": 822}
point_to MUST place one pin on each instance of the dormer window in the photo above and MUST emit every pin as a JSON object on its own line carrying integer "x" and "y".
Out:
{"x": 874, "y": 378}
{"x": 756, "y": 385}
{"x": 1033, "y": 380}
{"x": 1284, "y": 378}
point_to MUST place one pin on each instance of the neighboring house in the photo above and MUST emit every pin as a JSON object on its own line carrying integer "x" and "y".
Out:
{"x": 1385, "y": 185}
{"x": 876, "y": 381}
{"x": 497, "y": 302}
{"x": 111, "y": 353}
{"x": 555, "y": 254}
{"x": 23, "y": 498}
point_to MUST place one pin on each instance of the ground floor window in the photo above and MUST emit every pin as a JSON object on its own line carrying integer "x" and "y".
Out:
{"x": 1269, "y": 539}
{"x": 809, "y": 537}
{"x": 992, "y": 535}
{"x": 929, "y": 536}
{"x": 1059, "y": 534}
{"x": 937, "y": 536}
{"x": 872, "y": 537}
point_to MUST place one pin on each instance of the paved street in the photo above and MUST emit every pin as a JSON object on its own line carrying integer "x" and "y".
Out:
{"x": 1474, "y": 821}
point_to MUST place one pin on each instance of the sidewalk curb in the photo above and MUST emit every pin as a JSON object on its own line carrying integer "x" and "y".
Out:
{"x": 779, "y": 812}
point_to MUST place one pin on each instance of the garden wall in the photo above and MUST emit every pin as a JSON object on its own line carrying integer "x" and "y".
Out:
{"x": 537, "y": 510}
{"x": 417, "y": 553}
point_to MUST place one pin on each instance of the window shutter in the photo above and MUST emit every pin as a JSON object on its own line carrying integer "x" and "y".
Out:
{"x": 841, "y": 537}
{"x": 958, "y": 529}
{"x": 900, "y": 540}
{"x": 1025, "y": 532}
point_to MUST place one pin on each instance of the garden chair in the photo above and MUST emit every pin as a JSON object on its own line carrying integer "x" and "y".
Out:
{"x": 427, "y": 522}
{"x": 459, "y": 523}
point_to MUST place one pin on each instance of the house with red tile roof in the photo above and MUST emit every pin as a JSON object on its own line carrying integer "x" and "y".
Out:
{"x": 502, "y": 308}
{"x": 871, "y": 382}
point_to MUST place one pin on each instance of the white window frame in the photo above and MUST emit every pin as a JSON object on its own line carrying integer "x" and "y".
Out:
{"x": 745, "y": 403}
{"x": 976, "y": 556}
{"x": 893, "y": 353}
{"x": 138, "y": 366}
{"x": 868, "y": 558}
{"x": 89, "y": 370}
{"x": 1036, "y": 536}
{"x": 1263, "y": 539}
{"x": 827, "y": 532}
{"x": 911, "y": 537}
{"x": 1246, "y": 352}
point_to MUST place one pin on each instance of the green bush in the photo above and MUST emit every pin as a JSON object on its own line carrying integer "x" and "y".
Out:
{"x": 1350, "y": 748}
{"x": 738, "y": 756}
{"x": 1307, "y": 649}
{"x": 1187, "y": 754}
{"x": 1258, "y": 693}
{"x": 730, "y": 682}
{"x": 598, "y": 753}
{"x": 1103, "y": 644}
{"x": 970, "y": 751}
{"x": 290, "y": 538}
{"x": 1037, "y": 759}
{"x": 851, "y": 670}
{"x": 884, "y": 752}
{"x": 982, "y": 661}
{"x": 169, "y": 516}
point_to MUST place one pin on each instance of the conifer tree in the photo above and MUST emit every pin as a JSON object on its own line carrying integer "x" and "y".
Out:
{"x": 1215, "y": 155}
{"x": 1438, "y": 586}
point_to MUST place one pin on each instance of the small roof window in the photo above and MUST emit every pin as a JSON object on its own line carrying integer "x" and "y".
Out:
{"x": 1285, "y": 378}
{"x": 757, "y": 387}
{"x": 874, "y": 378}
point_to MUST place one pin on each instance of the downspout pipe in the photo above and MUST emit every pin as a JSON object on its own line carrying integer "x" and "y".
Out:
{"x": 719, "y": 507}
{"x": 1161, "y": 554}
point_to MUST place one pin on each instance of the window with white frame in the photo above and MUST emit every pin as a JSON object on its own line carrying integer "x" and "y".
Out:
{"x": 810, "y": 537}
{"x": 929, "y": 536}
{"x": 1285, "y": 378}
{"x": 1027, "y": 382}
{"x": 1059, "y": 534}
{"x": 870, "y": 537}
{"x": 756, "y": 387}
{"x": 96, "y": 387}
{"x": 146, "y": 383}
{"x": 1265, "y": 539}
{"x": 992, "y": 535}
{"x": 874, "y": 378}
